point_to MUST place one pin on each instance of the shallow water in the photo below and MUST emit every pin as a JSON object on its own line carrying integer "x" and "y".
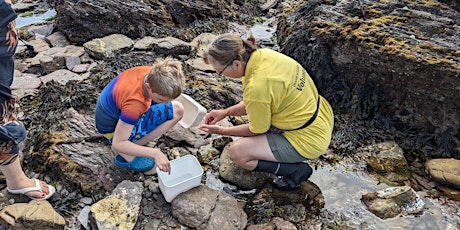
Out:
{"x": 35, "y": 18}
{"x": 343, "y": 185}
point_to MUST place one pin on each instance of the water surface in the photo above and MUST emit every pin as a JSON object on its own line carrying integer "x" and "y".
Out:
{"x": 35, "y": 18}
{"x": 343, "y": 185}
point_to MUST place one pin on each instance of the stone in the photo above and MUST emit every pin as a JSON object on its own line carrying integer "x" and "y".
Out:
{"x": 120, "y": 210}
{"x": 393, "y": 201}
{"x": 444, "y": 170}
{"x": 57, "y": 39}
{"x": 239, "y": 176}
{"x": 385, "y": 157}
{"x": 62, "y": 76}
{"x": 108, "y": 46}
{"x": 205, "y": 208}
{"x": 37, "y": 214}
{"x": 201, "y": 42}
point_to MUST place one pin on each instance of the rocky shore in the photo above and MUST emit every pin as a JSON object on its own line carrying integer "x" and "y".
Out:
{"x": 57, "y": 86}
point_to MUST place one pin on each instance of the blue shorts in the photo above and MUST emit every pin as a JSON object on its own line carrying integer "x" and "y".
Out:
{"x": 156, "y": 115}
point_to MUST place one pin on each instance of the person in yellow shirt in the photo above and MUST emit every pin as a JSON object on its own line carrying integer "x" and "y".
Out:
{"x": 289, "y": 121}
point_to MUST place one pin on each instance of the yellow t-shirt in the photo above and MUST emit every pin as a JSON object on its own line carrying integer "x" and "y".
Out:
{"x": 278, "y": 91}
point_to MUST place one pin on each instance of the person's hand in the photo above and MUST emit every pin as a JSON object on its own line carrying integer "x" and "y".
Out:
{"x": 162, "y": 162}
{"x": 12, "y": 35}
{"x": 214, "y": 116}
{"x": 211, "y": 129}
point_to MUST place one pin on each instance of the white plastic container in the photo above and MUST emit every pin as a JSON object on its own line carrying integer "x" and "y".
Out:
{"x": 186, "y": 173}
{"x": 194, "y": 112}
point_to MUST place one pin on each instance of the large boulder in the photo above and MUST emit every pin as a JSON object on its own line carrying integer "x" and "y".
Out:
{"x": 82, "y": 21}
{"x": 392, "y": 64}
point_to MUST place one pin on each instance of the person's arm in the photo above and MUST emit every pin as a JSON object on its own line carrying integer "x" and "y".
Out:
{"x": 217, "y": 115}
{"x": 236, "y": 131}
{"x": 237, "y": 110}
{"x": 121, "y": 144}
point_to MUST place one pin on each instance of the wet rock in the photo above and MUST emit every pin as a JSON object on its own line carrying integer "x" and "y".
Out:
{"x": 385, "y": 157}
{"x": 446, "y": 171}
{"x": 292, "y": 205}
{"x": 37, "y": 214}
{"x": 81, "y": 22}
{"x": 393, "y": 201}
{"x": 190, "y": 136}
{"x": 207, "y": 153}
{"x": 275, "y": 223}
{"x": 380, "y": 61}
{"x": 205, "y": 208}
{"x": 84, "y": 161}
{"x": 120, "y": 210}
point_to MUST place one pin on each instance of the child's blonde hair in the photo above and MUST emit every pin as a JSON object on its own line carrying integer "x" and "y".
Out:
{"x": 167, "y": 78}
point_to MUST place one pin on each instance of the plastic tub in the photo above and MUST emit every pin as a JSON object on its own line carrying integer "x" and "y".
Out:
{"x": 186, "y": 173}
{"x": 194, "y": 112}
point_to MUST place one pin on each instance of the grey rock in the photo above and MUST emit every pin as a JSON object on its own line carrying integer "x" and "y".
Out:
{"x": 108, "y": 46}
{"x": 239, "y": 176}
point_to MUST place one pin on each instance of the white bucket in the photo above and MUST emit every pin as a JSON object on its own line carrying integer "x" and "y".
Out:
{"x": 186, "y": 173}
{"x": 194, "y": 112}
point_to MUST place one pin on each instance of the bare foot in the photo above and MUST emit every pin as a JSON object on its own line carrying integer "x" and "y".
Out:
{"x": 30, "y": 183}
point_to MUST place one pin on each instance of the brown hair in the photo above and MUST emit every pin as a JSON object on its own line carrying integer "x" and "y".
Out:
{"x": 167, "y": 78}
{"x": 228, "y": 47}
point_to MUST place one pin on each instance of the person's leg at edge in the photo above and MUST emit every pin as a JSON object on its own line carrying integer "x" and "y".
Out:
{"x": 157, "y": 128}
{"x": 16, "y": 179}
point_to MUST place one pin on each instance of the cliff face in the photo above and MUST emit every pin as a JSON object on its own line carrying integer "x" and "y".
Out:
{"x": 392, "y": 64}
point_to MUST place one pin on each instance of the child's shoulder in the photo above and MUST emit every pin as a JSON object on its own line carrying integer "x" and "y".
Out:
{"x": 142, "y": 68}
{"x": 138, "y": 70}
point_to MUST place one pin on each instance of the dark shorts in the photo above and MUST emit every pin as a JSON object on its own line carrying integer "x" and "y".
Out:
{"x": 155, "y": 116}
{"x": 282, "y": 149}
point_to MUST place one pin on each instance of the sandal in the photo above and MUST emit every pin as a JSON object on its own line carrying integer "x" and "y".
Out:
{"x": 37, "y": 187}
{"x": 139, "y": 164}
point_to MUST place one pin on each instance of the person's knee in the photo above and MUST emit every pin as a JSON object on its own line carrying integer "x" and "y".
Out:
{"x": 235, "y": 153}
{"x": 178, "y": 109}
